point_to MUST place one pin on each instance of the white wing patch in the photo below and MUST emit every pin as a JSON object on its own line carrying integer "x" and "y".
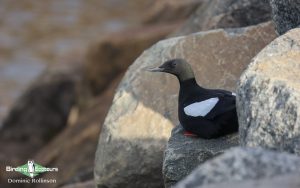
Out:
{"x": 234, "y": 94}
{"x": 201, "y": 108}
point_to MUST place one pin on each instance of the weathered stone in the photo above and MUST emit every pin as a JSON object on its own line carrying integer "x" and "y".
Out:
{"x": 226, "y": 14}
{"x": 74, "y": 147}
{"x": 241, "y": 164}
{"x": 144, "y": 110}
{"x": 113, "y": 53}
{"x": 86, "y": 184}
{"x": 184, "y": 154}
{"x": 166, "y": 11}
{"x": 39, "y": 114}
{"x": 286, "y": 181}
{"x": 268, "y": 96}
{"x": 286, "y": 14}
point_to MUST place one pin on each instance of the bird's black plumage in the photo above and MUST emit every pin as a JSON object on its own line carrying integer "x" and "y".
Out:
{"x": 217, "y": 111}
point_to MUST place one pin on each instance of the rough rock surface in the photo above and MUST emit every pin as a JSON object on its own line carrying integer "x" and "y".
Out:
{"x": 86, "y": 184}
{"x": 240, "y": 164}
{"x": 113, "y": 53}
{"x": 286, "y": 14}
{"x": 184, "y": 154}
{"x": 268, "y": 96}
{"x": 286, "y": 181}
{"x": 144, "y": 111}
{"x": 226, "y": 14}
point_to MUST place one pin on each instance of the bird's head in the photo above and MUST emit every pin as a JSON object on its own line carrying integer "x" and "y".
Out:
{"x": 177, "y": 67}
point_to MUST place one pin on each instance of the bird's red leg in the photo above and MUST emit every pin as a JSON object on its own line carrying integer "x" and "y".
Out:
{"x": 187, "y": 133}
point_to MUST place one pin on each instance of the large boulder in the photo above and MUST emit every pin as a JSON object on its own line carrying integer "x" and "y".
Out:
{"x": 287, "y": 181}
{"x": 144, "y": 108}
{"x": 286, "y": 14}
{"x": 86, "y": 184}
{"x": 183, "y": 154}
{"x": 39, "y": 114}
{"x": 72, "y": 150}
{"x": 268, "y": 96}
{"x": 241, "y": 164}
{"x": 113, "y": 53}
{"x": 226, "y": 14}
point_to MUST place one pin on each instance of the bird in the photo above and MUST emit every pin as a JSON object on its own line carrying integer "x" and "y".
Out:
{"x": 205, "y": 113}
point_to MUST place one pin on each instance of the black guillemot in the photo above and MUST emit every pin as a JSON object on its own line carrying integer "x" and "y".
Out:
{"x": 207, "y": 113}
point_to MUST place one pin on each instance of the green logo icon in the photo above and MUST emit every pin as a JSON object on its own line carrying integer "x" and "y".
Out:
{"x": 31, "y": 169}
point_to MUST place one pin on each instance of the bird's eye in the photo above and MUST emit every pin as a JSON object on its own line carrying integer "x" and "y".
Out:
{"x": 173, "y": 64}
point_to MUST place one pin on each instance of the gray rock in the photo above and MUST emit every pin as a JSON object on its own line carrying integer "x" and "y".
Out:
{"x": 286, "y": 14}
{"x": 42, "y": 111}
{"x": 268, "y": 96}
{"x": 184, "y": 154}
{"x": 142, "y": 115}
{"x": 239, "y": 164}
{"x": 38, "y": 115}
{"x": 287, "y": 181}
{"x": 226, "y": 14}
{"x": 85, "y": 184}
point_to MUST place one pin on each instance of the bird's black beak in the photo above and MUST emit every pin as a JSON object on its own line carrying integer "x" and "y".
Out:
{"x": 154, "y": 69}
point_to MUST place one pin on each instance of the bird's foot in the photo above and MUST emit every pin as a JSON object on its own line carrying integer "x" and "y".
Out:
{"x": 190, "y": 134}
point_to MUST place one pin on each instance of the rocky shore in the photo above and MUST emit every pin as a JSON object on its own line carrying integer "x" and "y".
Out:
{"x": 106, "y": 123}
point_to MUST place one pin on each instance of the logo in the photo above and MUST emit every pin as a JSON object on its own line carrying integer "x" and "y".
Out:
{"x": 31, "y": 169}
